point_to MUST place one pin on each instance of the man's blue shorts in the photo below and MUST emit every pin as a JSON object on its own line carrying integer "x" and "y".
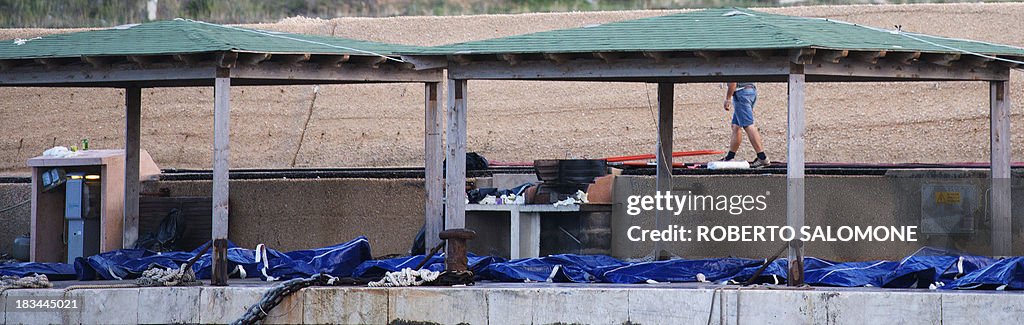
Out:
{"x": 743, "y": 106}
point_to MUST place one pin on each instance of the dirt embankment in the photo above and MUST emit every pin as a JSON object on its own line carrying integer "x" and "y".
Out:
{"x": 382, "y": 125}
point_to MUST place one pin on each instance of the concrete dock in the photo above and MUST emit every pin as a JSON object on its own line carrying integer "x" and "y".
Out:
{"x": 532, "y": 303}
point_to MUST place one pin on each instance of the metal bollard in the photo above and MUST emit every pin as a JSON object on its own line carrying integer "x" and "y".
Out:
{"x": 220, "y": 263}
{"x": 455, "y": 259}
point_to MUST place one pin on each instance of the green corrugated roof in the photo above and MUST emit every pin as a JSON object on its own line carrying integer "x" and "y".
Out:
{"x": 717, "y": 29}
{"x": 182, "y": 36}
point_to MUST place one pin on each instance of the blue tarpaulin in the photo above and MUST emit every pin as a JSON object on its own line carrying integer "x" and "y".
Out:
{"x": 336, "y": 260}
{"x": 53, "y": 271}
{"x": 1006, "y": 274}
{"x": 680, "y": 270}
{"x": 377, "y": 268}
{"x": 554, "y": 268}
{"x": 932, "y": 266}
{"x": 928, "y": 267}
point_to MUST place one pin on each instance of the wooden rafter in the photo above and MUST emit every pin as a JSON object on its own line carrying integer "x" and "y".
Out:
{"x": 290, "y": 58}
{"x": 802, "y": 56}
{"x": 53, "y": 63}
{"x": 226, "y": 59}
{"x": 143, "y": 60}
{"x": 868, "y": 56}
{"x": 833, "y": 56}
{"x": 558, "y": 58}
{"x": 904, "y": 58}
{"x": 759, "y": 55}
{"x": 252, "y": 58}
{"x": 98, "y": 62}
{"x": 330, "y": 60}
{"x": 658, "y": 57}
{"x": 976, "y": 61}
{"x": 607, "y": 57}
{"x": 8, "y": 64}
{"x": 512, "y": 59}
{"x": 189, "y": 59}
{"x": 941, "y": 59}
{"x": 708, "y": 56}
{"x": 462, "y": 59}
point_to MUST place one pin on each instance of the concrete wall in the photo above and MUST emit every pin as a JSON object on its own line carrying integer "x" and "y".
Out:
{"x": 286, "y": 214}
{"x": 15, "y": 221}
{"x": 290, "y": 214}
{"x": 891, "y": 200}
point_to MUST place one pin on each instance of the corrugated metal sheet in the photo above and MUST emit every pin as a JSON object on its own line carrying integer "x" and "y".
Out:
{"x": 717, "y": 29}
{"x": 182, "y": 36}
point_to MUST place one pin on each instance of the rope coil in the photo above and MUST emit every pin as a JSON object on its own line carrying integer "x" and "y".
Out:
{"x": 405, "y": 278}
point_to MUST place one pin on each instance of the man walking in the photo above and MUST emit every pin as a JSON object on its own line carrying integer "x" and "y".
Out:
{"x": 742, "y": 96}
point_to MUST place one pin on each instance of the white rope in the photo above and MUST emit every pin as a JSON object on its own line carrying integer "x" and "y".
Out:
{"x": 33, "y": 281}
{"x": 907, "y": 34}
{"x": 405, "y": 278}
{"x": 910, "y": 36}
{"x": 264, "y": 33}
{"x": 158, "y": 276}
{"x": 261, "y": 256}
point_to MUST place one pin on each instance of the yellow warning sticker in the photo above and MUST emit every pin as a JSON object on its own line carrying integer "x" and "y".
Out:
{"x": 947, "y": 197}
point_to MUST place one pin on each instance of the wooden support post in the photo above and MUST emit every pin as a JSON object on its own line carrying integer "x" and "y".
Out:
{"x": 663, "y": 184}
{"x": 1002, "y": 236}
{"x": 795, "y": 173}
{"x": 133, "y": 117}
{"x": 221, "y": 158}
{"x": 433, "y": 161}
{"x": 455, "y": 175}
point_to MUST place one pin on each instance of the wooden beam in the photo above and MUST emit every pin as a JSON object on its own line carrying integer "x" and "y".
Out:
{"x": 330, "y": 61}
{"x": 117, "y": 77}
{"x": 663, "y": 152}
{"x": 759, "y": 55}
{"x": 658, "y": 57}
{"x": 975, "y": 61}
{"x": 98, "y": 62}
{"x": 558, "y": 58}
{"x": 833, "y": 56}
{"x": 607, "y": 57}
{"x": 904, "y": 58}
{"x": 226, "y": 59}
{"x": 132, "y": 146}
{"x": 802, "y": 56}
{"x": 795, "y": 172}
{"x": 1001, "y": 201}
{"x": 708, "y": 56}
{"x": 941, "y": 59}
{"x": 455, "y": 154}
{"x": 868, "y": 56}
{"x": 887, "y": 69}
{"x": 634, "y": 69}
{"x": 433, "y": 147}
{"x": 512, "y": 59}
{"x": 345, "y": 73}
{"x": 252, "y": 58}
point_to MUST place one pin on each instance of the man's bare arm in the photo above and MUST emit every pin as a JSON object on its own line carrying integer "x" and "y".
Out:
{"x": 728, "y": 95}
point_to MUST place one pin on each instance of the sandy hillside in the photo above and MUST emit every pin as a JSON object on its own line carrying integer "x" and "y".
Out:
{"x": 381, "y": 125}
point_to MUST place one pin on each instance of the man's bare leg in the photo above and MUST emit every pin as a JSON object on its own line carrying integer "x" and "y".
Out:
{"x": 755, "y": 138}
{"x": 737, "y": 138}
